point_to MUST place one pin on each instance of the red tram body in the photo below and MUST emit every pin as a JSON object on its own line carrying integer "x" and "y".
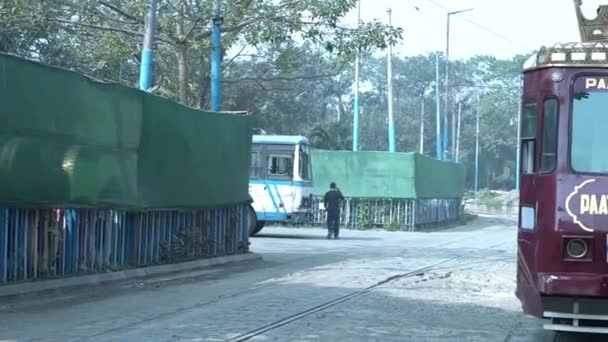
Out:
{"x": 562, "y": 271}
{"x": 562, "y": 245}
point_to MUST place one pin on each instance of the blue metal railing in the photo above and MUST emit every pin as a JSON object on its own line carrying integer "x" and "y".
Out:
{"x": 403, "y": 214}
{"x": 47, "y": 243}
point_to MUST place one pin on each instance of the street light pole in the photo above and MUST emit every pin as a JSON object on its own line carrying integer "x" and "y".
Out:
{"x": 216, "y": 58}
{"x": 447, "y": 85}
{"x": 438, "y": 107}
{"x": 422, "y": 126}
{"x": 477, "y": 145}
{"x": 356, "y": 104}
{"x": 447, "y": 89}
{"x": 391, "y": 121}
{"x": 147, "y": 54}
{"x": 457, "y": 152}
{"x": 518, "y": 148}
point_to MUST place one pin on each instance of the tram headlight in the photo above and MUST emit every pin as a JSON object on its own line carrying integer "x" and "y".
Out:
{"x": 557, "y": 77}
{"x": 577, "y": 248}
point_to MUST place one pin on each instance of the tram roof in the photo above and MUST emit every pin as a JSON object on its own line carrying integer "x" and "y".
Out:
{"x": 590, "y": 54}
{"x": 280, "y": 139}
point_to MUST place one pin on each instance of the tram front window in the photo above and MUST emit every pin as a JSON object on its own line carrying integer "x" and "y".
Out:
{"x": 589, "y": 127}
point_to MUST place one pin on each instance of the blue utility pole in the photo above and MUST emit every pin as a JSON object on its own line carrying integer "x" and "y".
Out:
{"x": 147, "y": 53}
{"x": 356, "y": 104}
{"x": 216, "y": 58}
{"x": 438, "y": 107}
{"x": 391, "y": 120}
{"x": 445, "y": 135}
{"x": 518, "y": 148}
{"x": 477, "y": 146}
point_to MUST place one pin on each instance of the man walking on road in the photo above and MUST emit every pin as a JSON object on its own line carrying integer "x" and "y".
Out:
{"x": 332, "y": 202}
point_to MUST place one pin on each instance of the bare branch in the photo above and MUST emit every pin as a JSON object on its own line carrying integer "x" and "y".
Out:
{"x": 265, "y": 88}
{"x": 120, "y": 11}
{"x": 110, "y": 29}
{"x": 283, "y": 78}
{"x": 235, "y": 56}
{"x": 191, "y": 30}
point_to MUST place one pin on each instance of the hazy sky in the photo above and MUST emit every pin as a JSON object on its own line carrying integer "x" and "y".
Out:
{"x": 524, "y": 25}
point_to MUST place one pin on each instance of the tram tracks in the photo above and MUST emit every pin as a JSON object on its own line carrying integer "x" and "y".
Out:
{"x": 336, "y": 301}
{"x": 302, "y": 314}
{"x": 236, "y": 294}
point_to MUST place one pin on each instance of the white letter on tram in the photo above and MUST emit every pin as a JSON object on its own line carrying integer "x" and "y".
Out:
{"x": 591, "y": 83}
{"x": 593, "y": 205}
{"x": 584, "y": 204}
{"x": 604, "y": 205}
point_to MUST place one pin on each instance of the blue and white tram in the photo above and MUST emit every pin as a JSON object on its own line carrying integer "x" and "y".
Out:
{"x": 280, "y": 180}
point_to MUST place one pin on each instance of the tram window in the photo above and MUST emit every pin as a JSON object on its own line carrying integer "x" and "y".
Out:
{"x": 528, "y": 129}
{"x": 528, "y": 156}
{"x": 255, "y": 171}
{"x": 589, "y": 138}
{"x": 280, "y": 166}
{"x": 549, "y": 143}
{"x": 304, "y": 165}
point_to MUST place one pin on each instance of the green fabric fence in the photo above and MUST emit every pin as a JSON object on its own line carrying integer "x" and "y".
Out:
{"x": 387, "y": 175}
{"x": 70, "y": 141}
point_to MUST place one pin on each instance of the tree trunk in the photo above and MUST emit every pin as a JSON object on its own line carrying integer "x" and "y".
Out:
{"x": 204, "y": 83}
{"x": 182, "y": 66}
{"x": 182, "y": 54}
{"x": 339, "y": 96}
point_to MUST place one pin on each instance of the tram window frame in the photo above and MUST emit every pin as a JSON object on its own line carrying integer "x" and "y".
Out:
{"x": 280, "y": 176}
{"x": 304, "y": 163}
{"x": 257, "y": 168}
{"x": 254, "y": 168}
{"x": 571, "y": 124}
{"x": 528, "y": 137}
{"x": 529, "y": 132}
{"x": 547, "y": 133}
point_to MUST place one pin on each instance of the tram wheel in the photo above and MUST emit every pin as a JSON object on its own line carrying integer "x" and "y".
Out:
{"x": 259, "y": 226}
{"x": 252, "y": 221}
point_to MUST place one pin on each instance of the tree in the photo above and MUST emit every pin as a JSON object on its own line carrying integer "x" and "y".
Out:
{"x": 115, "y": 29}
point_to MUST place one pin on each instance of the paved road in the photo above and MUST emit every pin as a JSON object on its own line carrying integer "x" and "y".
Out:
{"x": 454, "y": 285}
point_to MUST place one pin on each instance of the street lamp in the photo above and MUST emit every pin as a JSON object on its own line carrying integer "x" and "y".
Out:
{"x": 447, "y": 84}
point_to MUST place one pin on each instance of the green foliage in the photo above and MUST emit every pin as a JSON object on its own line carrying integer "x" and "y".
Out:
{"x": 104, "y": 38}
{"x": 489, "y": 198}
{"x": 332, "y": 136}
{"x": 364, "y": 221}
{"x": 186, "y": 245}
{"x": 393, "y": 226}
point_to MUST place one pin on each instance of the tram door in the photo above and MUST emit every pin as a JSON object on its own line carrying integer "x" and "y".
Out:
{"x": 528, "y": 201}
{"x": 537, "y": 195}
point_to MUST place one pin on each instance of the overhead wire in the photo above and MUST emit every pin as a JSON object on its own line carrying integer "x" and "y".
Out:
{"x": 482, "y": 26}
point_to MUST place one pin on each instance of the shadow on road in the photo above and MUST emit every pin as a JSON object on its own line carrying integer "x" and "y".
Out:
{"x": 479, "y": 223}
{"x": 313, "y": 237}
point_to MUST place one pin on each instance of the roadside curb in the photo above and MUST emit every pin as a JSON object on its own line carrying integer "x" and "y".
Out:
{"x": 97, "y": 279}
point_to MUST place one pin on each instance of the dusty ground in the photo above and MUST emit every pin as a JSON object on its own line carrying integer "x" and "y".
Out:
{"x": 454, "y": 285}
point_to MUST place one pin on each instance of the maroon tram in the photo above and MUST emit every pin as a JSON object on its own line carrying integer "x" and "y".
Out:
{"x": 562, "y": 272}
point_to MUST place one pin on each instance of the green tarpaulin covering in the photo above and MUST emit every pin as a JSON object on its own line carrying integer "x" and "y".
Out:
{"x": 67, "y": 140}
{"x": 386, "y": 175}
